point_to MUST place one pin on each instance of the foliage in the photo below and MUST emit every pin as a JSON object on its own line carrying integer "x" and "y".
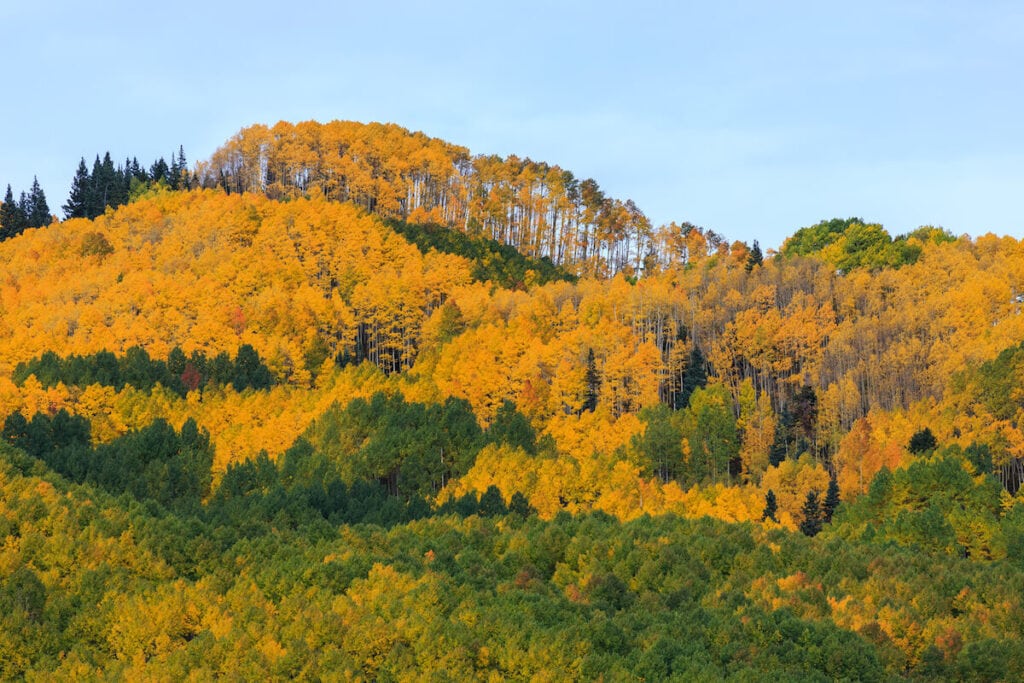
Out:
{"x": 136, "y": 369}
{"x": 109, "y": 587}
{"x": 492, "y": 261}
{"x": 434, "y": 456}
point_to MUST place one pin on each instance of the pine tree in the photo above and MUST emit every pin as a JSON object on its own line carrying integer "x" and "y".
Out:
{"x": 37, "y": 211}
{"x": 755, "y": 257}
{"x": 108, "y": 186}
{"x": 159, "y": 171}
{"x": 771, "y": 506}
{"x": 96, "y": 199}
{"x": 184, "y": 178}
{"x": 12, "y": 216}
{"x": 922, "y": 442}
{"x": 694, "y": 377}
{"x": 831, "y": 499}
{"x": 78, "y": 200}
{"x": 174, "y": 174}
{"x": 811, "y": 512}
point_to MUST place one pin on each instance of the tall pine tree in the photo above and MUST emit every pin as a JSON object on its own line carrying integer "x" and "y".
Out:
{"x": 37, "y": 211}
{"x": 12, "y": 216}
{"x": 78, "y": 201}
{"x": 812, "y": 515}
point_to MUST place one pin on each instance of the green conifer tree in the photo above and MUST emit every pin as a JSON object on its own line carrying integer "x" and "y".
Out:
{"x": 771, "y": 507}
{"x": 12, "y": 217}
{"x": 811, "y": 512}
{"x": 37, "y": 211}
{"x": 78, "y": 200}
{"x": 831, "y": 499}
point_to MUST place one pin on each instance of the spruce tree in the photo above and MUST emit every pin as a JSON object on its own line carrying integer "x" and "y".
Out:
{"x": 107, "y": 185}
{"x": 186, "y": 177}
{"x": 37, "y": 211}
{"x": 831, "y": 499}
{"x": 771, "y": 507}
{"x": 12, "y": 216}
{"x": 811, "y": 512}
{"x": 922, "y": 442}
{"x": 159, "y": 171}
{"x": 78, "y": 200}
{"x": 755, "y": 257}
{"x": 695, "y": 376}
{"x": 96, "y": 199}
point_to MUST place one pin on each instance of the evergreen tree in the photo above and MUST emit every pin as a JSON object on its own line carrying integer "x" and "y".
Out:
{"x": 96, "y": 203}
{"x": 831, "y": 499}
{"x": 12, "y": 217}
{"x": 519, "y": 505}
{"x": 182, "y": 178}
{"x": 771, "y": 507}
{"x": 755, "y": 257}
{"x": 922, "y": 442}
{"x": 159, "y": 171}
{"x": 108, "y": 185}
{"x": 78, "y": 201}
{"x": 174, "y": 174}
{"x": 812, "y": 515}
{"x": 694, "y": 377}
{"x": 491, "y": 503}
{"x": 37, "y": 211}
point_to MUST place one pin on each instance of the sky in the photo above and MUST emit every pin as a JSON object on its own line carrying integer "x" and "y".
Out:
{"x": 751, "y": 119}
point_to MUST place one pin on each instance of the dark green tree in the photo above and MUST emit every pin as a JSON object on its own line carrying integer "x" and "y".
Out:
{"x": 812, "y": 516}
{"x": 491, "y": 503}
{"x": 771, "y": 507}
{"x": 15, "y": 430}
{"x": 78, "y": 200}
{"x": 519, "y": 505}
{"x": 832, "y": 500}
{"x": 922, "y": 441}
{"x": 695, "y": 376}
{"x": 754, "y": 258}
{"x": 250, "y": 370}
{"x": 13, "y": 220}
{"x": 37, "y": 211}
{"x": 160, "y": 171}
{"x": 511, "y": 427}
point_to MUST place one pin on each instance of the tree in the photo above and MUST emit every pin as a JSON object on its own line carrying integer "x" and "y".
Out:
{"x": 491, "y": 503}
{"x": 710, "y": 429}
{"x": 771, "y": 507}
{"x": 694, "y": 377}
{"x": 754, "y": 258}
{"x": 15, "y": 429}
{"x": 13, "y": 220}
{"x": 511, "y": 427}
{"x": 78, "y": 200}
{"x": 660, "y": 446}
{"x": 831, "y": 499}
{"x": 37, "y": 211}
{"x": 922, "y": 441}
{"x": 812, "y": 515}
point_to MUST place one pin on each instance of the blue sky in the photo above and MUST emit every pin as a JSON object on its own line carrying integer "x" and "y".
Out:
{"x": 751, "y": 119}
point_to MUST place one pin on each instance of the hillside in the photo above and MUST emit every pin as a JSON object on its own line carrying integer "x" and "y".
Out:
{"x": 459, "y": 394}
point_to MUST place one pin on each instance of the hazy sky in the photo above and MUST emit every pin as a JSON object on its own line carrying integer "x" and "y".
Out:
{"x": 750, "y": 118}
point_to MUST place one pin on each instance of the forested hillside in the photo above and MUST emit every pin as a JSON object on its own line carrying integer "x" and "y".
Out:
{"x": 366, "y": 405}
